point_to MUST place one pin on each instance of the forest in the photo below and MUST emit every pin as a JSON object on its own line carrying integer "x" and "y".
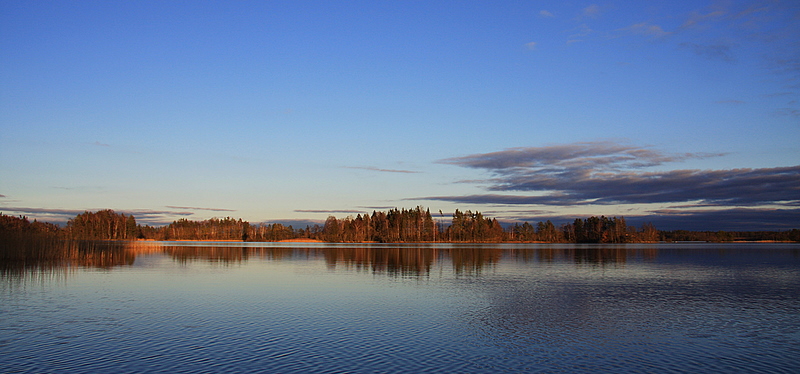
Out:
{"x": 393, "y": 226}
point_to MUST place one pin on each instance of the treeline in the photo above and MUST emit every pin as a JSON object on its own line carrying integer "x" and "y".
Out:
{"x": 221, "y": 229}
{"x": 10, "y": 225}
{"x": 101, "y": 225}
{"x": 414, "y": 225}
{"x": 395, "y": 225}
{"x": 729, "y": 236}
{"x": 418, "y": 225}
{"x": 392, "y": 226}
{"x": 590, "y": 230}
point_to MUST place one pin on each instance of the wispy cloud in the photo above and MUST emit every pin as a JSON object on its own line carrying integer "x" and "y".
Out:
{"x": 791, "y": 112}
{"x": 734, "y": 102}
{"x": 580, "y": 33}
{"x": 334, "y": 211}
{"x": 387, "y": 207}
{"x": 779, "y": 94}
{"x": 498, "y": 199}
{"x": 197, "y": 208}
{"x": 604, "y": 173}
{"x": 27, "y": 210}
{"x": 156, "y": 217}
{"x": 545, "y": 13}
{"x": 531, "y": 45}
{"x": 647, "y": 29}
{"x": 784, "y": 64}
{"x": 79, "y": 188}
{"x": 753, "y": 9}
{"x": 296, "y": 223}
{"x": 734, "y": 219}
{"x": 696, "y": 18}
{"x": 101, "y": 144}
{"x": 591, "y": 11}
{"x": 62, "y": 216}
{"x": 372, "y": 168}
{"x": 526, "y": 211}
{"x": 717, "y": 51}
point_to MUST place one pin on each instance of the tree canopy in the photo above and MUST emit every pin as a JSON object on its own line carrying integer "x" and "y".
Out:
{"x": 392, "y": 226}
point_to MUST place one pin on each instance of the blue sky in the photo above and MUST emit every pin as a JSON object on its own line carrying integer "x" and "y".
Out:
{"x": 682, "y": 113}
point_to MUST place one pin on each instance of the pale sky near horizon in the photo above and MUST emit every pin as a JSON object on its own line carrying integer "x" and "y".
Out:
{"x": 682, "y": 113}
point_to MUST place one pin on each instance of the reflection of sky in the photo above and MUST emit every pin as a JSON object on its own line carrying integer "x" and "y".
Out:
{"x": 606, "y": 315}
{"x": 299, "y": 313}
{"x": 612, "y": 272}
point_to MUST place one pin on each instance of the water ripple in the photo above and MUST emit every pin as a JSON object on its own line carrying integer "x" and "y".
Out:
{"x": 305, "y": 316}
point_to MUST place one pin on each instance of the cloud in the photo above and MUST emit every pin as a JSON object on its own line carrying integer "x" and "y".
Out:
{"x": 371, "y": 168}
{"x": 581, "y": 33}
{"x": 196, "y": 208}
{"x": 647, "y": 29}
{"x": 735, "y": 219}
{"x": 714, "y": 52}
{"x": 379, "y": 207}
{"x": 497, "y": 199}
{"x": 101, "y": 144}
{"x": 531, "y": 45}
{"x": 544, "y": 13}
{"x": 584, "y": 154}
{"x": 591, "y": 11}
{"x": 65, "y": 212}
{"x": 328, "y": 211}
{"x": 62, "y": 216}
{"x": 753, "y": 9}
{"x": 788, "y": 112}
{"x": 779, "y": 94}
{"x": 785, "y": 64}
{"x": 606, "y": 173}
{"x": 1, "y": 195}
{"x": 695, "y": 18}
{"x": 155, "y": 217}
{"x": 523, "y": 212}
{"x": 296, "y": 223}
{"x": 734, "y": 102}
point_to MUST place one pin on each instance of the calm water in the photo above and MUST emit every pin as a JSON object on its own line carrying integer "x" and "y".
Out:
{"x": 266, "y": 307}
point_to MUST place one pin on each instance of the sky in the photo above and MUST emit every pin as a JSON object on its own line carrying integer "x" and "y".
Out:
{"x": 680, "y": 113}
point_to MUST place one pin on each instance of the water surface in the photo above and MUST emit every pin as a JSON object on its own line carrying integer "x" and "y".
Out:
{"x": 277, "y": 307}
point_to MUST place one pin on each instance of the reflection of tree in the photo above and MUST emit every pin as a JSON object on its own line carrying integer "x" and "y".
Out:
{"x": 602, "y": 255}
{"x": 545, "y": 254}
{"x": 207, "y": 253}
{"x": 104, "y": 255}
{"x": 592, "y": 254}
{"x": 49, "y": 254}
{"x": 471, "y": 260}
{"x": 394, "y": 261}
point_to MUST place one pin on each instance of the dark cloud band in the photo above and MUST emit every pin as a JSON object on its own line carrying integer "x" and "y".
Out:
{"x": 608, "y": 173}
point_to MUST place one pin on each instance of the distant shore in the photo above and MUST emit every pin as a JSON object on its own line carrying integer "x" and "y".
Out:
{"x": 297, "y": 240}
{"x": 301, "y": 240}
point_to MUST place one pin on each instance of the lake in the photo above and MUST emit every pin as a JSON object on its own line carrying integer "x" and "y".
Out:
{"x": 364, "y": 308}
